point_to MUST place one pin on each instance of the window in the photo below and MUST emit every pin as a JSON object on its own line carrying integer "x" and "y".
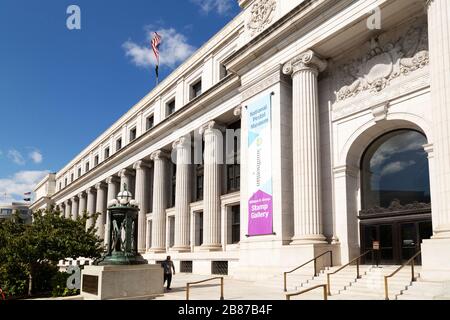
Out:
{"x": 223, "y": 71}
{"x": 79, "y": 172}
{"x": 235, "y": 224}
{"x": 119, "y": 144}
{"x": 96, "y": 160}
{"x": 107, "y": 153}
{"x": 219, "y": 268}
{"x": 133, "y": 134}
{"x": 60, "y": 186}
{"x": 173, "y": 186}
{"x": 394, "y": 170}
{"x": 185, "y": 266}
{"x": 198, "y": 228}
{"x": 171, "y": 107}
{"x": 65, "y": 182}
{"x": 71, "y": 177}
{"x": 196, "y": 89}
{"x": 87, "y": 166}
{"x": 199, "y": 173}
{"x": 234, "y": 168}
{"x": 150, "y": 122}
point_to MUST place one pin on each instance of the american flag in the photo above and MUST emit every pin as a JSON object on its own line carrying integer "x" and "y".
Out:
{"x": 155, "y": 46}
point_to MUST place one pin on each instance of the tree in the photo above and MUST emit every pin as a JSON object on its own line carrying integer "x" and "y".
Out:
{"x": 50, "y": 238}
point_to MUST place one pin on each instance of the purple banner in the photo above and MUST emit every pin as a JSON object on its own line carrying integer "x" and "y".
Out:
{"x": 260, "y": 214}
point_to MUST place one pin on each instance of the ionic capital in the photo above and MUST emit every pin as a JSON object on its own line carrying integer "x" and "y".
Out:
{"x": 112, "y": 179}
{"x": 308, "y": 60}
{"x": 237, "y": 111}
{"x": 126, "y": 172}
{"x": 159, "y": 155}
{"x": 140, "y": 165}
{"x": 211, "y": 126}
{"x": 182, "y": 142}
{"x": 100, "y": 185}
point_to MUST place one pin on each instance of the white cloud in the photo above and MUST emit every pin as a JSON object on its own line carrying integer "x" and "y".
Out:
{"x": 14, "y": 187}
{"x": 174, "y": 49}
{"x": 222, "y": 7}
{"x": 36, "y": 156}
{"x": 16, "y": 157}
{"x": 395, "y": 167}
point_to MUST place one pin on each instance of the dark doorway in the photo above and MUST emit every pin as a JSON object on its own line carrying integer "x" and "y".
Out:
{"x": 399, "y": 240}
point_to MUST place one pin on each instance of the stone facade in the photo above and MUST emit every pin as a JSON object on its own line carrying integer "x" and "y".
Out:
{"x": 336, "y": 86}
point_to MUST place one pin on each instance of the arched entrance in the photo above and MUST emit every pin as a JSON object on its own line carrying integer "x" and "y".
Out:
{"x": 395, "y": 195}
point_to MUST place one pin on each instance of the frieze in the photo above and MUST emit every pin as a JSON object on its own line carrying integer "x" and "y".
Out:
{"x": 384, "y": 63}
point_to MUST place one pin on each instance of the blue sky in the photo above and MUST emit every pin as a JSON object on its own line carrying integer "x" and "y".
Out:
{"x": 60, "y": 88}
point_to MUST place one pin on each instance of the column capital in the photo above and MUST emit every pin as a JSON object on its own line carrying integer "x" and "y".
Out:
{"x": 237, "y": 111}
{"x": 159, "y": 155}
{"x": 100, "y": 185}
{"x": 141, "y": 164}
{"x": 112, "y": 179}
{"x": 126, "y": 172}
{"x": 90, "y": 190}
{"x": 81, "y": 195}
{"x": 74, "y": 199}
{"x": 308, "y": 60}
{"x": 184, "y": 141}
{"x": 67, "y": 202}
{"x": 211, "y": 125}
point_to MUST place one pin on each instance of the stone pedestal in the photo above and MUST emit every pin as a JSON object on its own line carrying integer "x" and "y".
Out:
{"x": 137, "y": 282}
{"x": 435, "y": 260}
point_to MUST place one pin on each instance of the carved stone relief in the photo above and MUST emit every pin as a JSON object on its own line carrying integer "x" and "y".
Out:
{"x": 262, "y": 13}
{"x": 384, "y": 63}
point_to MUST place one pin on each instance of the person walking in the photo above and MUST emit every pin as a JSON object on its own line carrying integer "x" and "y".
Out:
{"x": 168, "y": 268}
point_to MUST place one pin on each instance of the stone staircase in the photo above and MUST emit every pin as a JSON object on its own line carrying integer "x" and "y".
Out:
{"x": 345, "y": 286}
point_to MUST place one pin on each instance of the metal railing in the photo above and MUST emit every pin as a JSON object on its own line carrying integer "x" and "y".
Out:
{"x": 325, "y": 292}
{"x": 189, "y": 284}
{"x": 315, "y": 267}
{"x": 358, "y": 276}
{"x": 413, "y": 278}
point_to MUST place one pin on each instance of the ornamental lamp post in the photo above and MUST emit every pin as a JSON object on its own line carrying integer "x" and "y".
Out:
{"x": 123, "y": 215}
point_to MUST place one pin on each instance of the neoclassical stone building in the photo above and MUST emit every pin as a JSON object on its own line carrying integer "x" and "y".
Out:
{"x": 342, "y": 109}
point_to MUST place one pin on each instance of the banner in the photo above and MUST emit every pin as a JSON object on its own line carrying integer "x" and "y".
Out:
{"x": 260, "y": 207}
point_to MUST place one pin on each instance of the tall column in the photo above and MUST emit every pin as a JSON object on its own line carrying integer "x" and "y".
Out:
{"x": 183, "y": 193}
{"x": 67, "y": 209}
{"x": 101, "y": 208}
{"x": 125, "y": 179}
{"x": 141, "y": 197}
{"x": 113, "y": 191}
{"x": 159, "y": 159}
{"x": 436, "y": 252}
{"x": 306, "y": 147}
{"x": 82, "y": 206}
{"x": 213, "y": 157}
{"x": 90, "y": 206}
{"x": 75, "y": 209}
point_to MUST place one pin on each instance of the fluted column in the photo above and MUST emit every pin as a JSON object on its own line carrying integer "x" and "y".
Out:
{"x": 82, "y": 206}
{"x": 213, "y": 157}
{"x": 101, "y": 208}
{"x": 159, "y": 159}
{"x": 141, "y": 197}
{"x": 439, "y": 46}
{"x": 125, "y": 179}
{"x": 306, "y": 147}
{"x": 67, "y": 209}
{"x": 183, "y": 193}
{"x": 113, "y": 191}
{"x": 91, "y": 203}
{"x": 75, "y": 209}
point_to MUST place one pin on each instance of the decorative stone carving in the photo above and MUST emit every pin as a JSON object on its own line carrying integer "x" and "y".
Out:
{"x": 261, "y": 15}
{"x": 380, "y": 111}
{"x": 396, "y": 207}
{"x": 382, "y": 64}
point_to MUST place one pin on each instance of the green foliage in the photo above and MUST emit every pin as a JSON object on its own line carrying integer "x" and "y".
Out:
{"x": 29, "y": 253}
{"x": 59, "y": 285}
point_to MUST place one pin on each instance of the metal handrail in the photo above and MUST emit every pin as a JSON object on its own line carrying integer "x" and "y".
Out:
{"x": 324, "y": 286}
{"x": 358, "y": 276}
{"x": 315, "y": 266}
{"x": 413, "y": 278}
{"x": 203, "y": 281}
